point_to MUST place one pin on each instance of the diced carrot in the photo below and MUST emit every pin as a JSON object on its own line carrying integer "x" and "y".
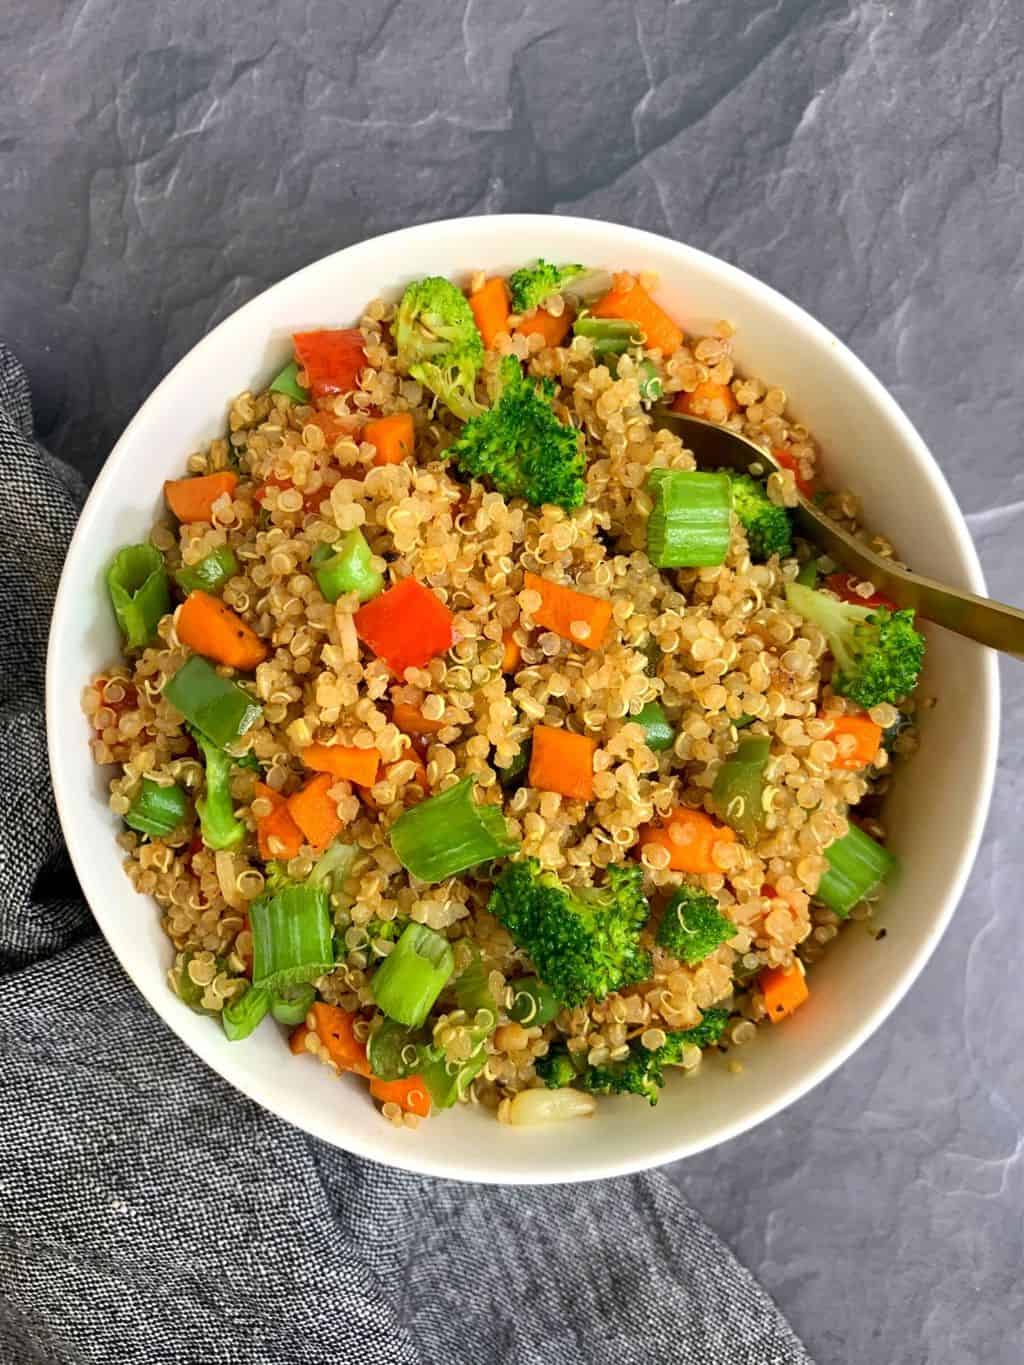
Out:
{"x": 490, "y": 309}
{"x": 866, "y": 737}
{"x": 411, "y": 720}
{"x": 393, "y": 436}
{"x": 698, "y": 403}
{"x": 212, "y": 629}
{"x": 332, "y": 358}
{"x": 278, "y": 825}
{"x": 562, "y": 608}
{"x": 343, "y": 761}
{"x": 406, "y": 626}
{"x": 410, "y": 1092}
{"x": 335, "y": 1028}
{"x": 297, "y": 1041}
{"x": 193, "y": 499}
{"x": 314, "y": 812}
{"x": 690, "y": 837}
{"x": 512, "y": 655}
{"x": 631, "y": 301}
{"x": 562, "y": 762}
{"x": 546, "y": 325}
{"x": 788, "y": 460}
{"x": 844, "y": 586}
{"x": 784, "y": 990}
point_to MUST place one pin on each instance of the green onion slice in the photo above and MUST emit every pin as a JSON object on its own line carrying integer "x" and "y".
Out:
{"x": 413, "y": 975}
{"x": 137, "y": 583}
{"x": 217, "y": 707}
{"x": 608, "y": 336}
{"x": 346, "y": 567}
{"x": 292, "y": 941}
{"x": 291, "y": 1005}
{"x": 393, "y": 1050}
{"x": 857, "y": 865}
{"x": 241, "y": 1015}
{"x": 449, "y": 833}
{"x": 691, "y": 522}
{"x": 157, "y": 811}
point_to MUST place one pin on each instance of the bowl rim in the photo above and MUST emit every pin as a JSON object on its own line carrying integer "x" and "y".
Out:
{"x": 818, "y": 335}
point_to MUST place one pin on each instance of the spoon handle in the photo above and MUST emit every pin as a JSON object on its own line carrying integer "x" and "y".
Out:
{"x": 978, "y": 618}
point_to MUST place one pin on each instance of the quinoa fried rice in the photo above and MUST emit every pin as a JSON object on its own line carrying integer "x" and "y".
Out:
{"x": 716, "y": 647}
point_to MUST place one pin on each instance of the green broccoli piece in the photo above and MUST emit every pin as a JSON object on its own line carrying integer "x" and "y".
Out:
{"x": 520, "y": 447}
{"x": 438, "y": 342}
{"x": 702, "y": 1035}
{"x": 766, "y": 524}
{"x": 583, "y": 942}
{"x": 641, "y": 1073}
{"x": 878, "y": 653}
{"x": 217, "y": 822}
{"x": 531, "y": 285}
{"x": 693, "y": 926}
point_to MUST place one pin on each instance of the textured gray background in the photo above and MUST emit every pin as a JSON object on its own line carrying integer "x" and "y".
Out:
{"x": 159, "y": 168}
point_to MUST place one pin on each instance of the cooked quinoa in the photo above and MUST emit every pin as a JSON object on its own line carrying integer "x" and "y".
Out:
{"x": 719, "y": 649}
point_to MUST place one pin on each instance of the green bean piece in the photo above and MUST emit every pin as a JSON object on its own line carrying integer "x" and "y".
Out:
{"x": 393, "y": 1050}
{"x": 533, "y": 1002}
{"x": 346, "y": 567}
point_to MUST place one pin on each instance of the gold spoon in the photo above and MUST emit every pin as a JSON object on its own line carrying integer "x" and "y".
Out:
{"x": 978, "y": 618}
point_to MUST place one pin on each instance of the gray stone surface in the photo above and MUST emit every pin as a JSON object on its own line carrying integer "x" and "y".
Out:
{"x": 161, "y": 164}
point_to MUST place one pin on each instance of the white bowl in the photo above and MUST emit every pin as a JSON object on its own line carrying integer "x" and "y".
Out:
{"x": 936, "y": 811}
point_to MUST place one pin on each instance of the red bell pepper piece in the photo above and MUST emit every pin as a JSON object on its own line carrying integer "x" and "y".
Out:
{"x": 406, "y": 626}
{"x": 842, "y": 584}
{"x": 332, "y": 359}
{"x": 788, "y": 460}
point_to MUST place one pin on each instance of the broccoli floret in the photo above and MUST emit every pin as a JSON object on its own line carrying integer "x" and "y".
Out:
{"x": 532, "y": 284}
{"x": 641, "y": 1073}
{"x": 583, "y": 943}
{"x": 520, "y": 447}
{"x": 438, "y": 342}
{"x": 766, "y": 524}
{"x": 217, "y": 823}
{"x": 877, "y": 652}
{"x": 693, "y": 926}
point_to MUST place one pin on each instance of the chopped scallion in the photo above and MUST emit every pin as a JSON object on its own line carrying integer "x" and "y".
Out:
{"x": 607, "y": 336}
{"x": 157, "y": 811}
{"x": 240, "y": 1016}
{"x": 691, "y": 522}
{"x": 291, "y": 1005}
{"x": 393, "y": 1050}
{"x": 533, "y": 1002}
{"x": 137, "y": 583}
{"x": 449, "y": 833}
{"x": 412, "y": 976}
{"x": 291, "y": 937}
{"x": 856, "y": 866}
{"x": 346, "y": 567}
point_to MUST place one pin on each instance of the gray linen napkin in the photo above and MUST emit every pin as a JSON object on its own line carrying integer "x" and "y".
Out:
{"x": 148, "y": 1212}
